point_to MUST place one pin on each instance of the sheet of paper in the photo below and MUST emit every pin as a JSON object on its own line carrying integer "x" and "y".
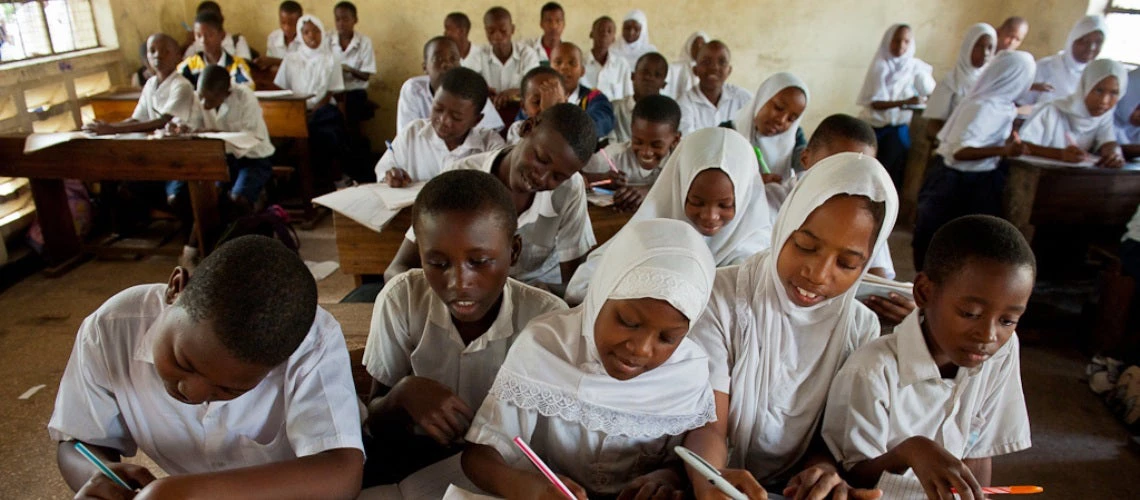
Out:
{"x": 1049, "y": 162}
{"x": 433, "y": 482}
{"x": 36, "y": 142}
{"x": 882, "y": 287}
{"x": 272, "y": 93}
{"x": 600, "y": 200}
{"x": 396, "y": 198}
{"x": 322, "y": 270}
{"x": 456, "y": 493}
{"x": 240, "y": 140}
{"x": 360, "y": 204}
{"x": 896, "y": 487}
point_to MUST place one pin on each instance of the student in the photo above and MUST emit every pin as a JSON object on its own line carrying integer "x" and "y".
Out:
{"x": 638, "y": 161}
{"x": 502, "y": 62}
{"x": 418, "y": 92}
{"x": 235, "y": 382}
{"x": 541, "y": 172}
{"x": 895, "y": 81}
{"x": 780, "y": 325}
{"x": 313, "y": 70}
{"x": 963, "y": 176}
{"x": 552, "y": 20}
{"x": 634, "y": 41}
{"x": 167, "y": 95}
{"x": 942, "y": 396}
{"x": 1126, "y": 117}
{"x": 141, "y": 75}
{"x": 605, "y": 71}
{"x": 1011, "y": 32}
{"x": 439, "y": 334}
{"x": 235, "y": 45}
{"x": 604, "y": 391}
{"x": 712, "y": 184}
{"x": 648, "y": 80}
{"x": 357, "y": 60}
{"x": 283, "y": 40}
{"x": 977, "y": 50}
{"x": 713, "y": 101}
{"x": 681, "y": 76}
{"x": 1069, "y": 129}
{"x": 542, "y": 89}
{"x": 209, "y": 34}
{"x": 1059, "y": 75}
{"x": 457, "y": 27}
{"x": 771, "y": 123}
{"x": 566, "y": 59}
{"x": 427, "y": 147}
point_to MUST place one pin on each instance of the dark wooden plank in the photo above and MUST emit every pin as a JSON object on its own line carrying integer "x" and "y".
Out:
{"x": 118, "y": 159}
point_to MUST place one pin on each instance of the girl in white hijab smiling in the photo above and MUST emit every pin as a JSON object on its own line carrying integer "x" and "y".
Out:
{"x": 977, "y": 49}
{"x": 712, "y": 182}
{"x": 680, "y": 77}
{"x": 634, "y": 39}
{"x": 604, "y": 391}
{"x": 771, "y": 122}
{"x": 779, "y": 326}
{"x": 1069, "y": 129}
{"x": 1059, "y": 75}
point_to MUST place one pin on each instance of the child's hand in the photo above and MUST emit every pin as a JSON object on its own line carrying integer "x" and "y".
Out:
{"x": 1111, "y": 157}
{"x": 939, "y": 471}
{"x": 99, "y": 127}
{"x": 505, "y": 97}
{"x": 436, "y": 409}
{"x": 1073, "y": 154}
{"x": 397, "y": 178}
{"x": 741, "y": 479}
{"x": 662, "y": 484}
{"x": 534, "y": 485}
{"x": 1014, "y": 147}
{"x": 629, "y": 198}
{"x": 617, "y": 178}
{"x": 102, "y": 487}
{"x": 823, "y": 481}
{"x": 892, "y": 309}
{"x": 771, "y": 178}
{"x": 1041, "y": 87}
{"x": 915, "y": 101}
{"x": 550, "y": 93}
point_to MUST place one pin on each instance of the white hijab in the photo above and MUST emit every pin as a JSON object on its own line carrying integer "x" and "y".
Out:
{"x": 632, "y": 51}
{"x": 554, "y": 366}
{"x": 686, "y": 56}
{"x": 1126, "y": 132}
{"x": 962, "y": 78}
{"x": 888, "y": 75}
{"x": 323, "y": 50}
{"x": 746, "y": 234}
{"x": 1084, "y": 26}
{"x": 1050, "y": 122}
{"x": 777, "y": 149}
{"x": 789, "y": 354}
{"x": 985, "y": 116}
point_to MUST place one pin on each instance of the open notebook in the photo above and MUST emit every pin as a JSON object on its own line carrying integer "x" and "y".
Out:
{"x": 882, "y": 287}
{"x": 443, "y": 479}
{"x": 372, "y": 205}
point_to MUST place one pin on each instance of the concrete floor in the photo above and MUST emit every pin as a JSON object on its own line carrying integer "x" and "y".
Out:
{"x": 1079, "y": 450}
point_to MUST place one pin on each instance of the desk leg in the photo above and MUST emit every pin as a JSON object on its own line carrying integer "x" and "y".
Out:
{"x": 312, "y": 213}
{"x": 61, "y": 245}
{"x": 204, "y": 203}
{"x": 1020, "y": 196}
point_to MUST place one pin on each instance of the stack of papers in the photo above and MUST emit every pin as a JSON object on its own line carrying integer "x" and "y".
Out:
{"x": 882, "y": 287}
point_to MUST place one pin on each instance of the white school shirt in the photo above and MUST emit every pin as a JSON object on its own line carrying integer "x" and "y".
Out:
{"x": 111, "y": 395}
{"x": 891, "y": 390}
{"x": 412, "y": 334}
{"x": 501, "y": 76}
{"x": 1052, "y": 70}
{"x": 416, "y": 100}
{"x": 626, "y": 161}
{"x": 1048, "y": 124}
{"x": 419, "y": 151}
{"x": 472, "y": 59}
{"x": 239, "y": 49}
{"x": 240, "y": 112}
{"x": 882, "y": 258}
{"x": 623, "y": 119}
{"x": 316, "y": 76}
{"x": 358, "y": 55}
{"x": 554, "y": 229}
{"x": 275, "y": 43}
{"x": 698, "y": 112}
{"x": 514, "y": 133}
{"x": 535, "y": 44}
{"x": 173, "y": 96}
{"x": 614, "y": 78}
{"x": 678, "y": 79}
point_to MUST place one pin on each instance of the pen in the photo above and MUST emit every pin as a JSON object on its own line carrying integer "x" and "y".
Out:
{"x": 605, "y": 155}
{"x": 550, "y": 475}
{"x": 1008, "y": 490}
{"x": 760, "y": 158}
{"x": 601, "y": 183}
{"x": 101, "y": 466}
{"x": 709, "y": 472}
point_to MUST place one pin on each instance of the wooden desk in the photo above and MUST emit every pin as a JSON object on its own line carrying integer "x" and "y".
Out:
{"x": 200, "y": 162}
{"x": 1037, "y": 195}
{"x": 364, "y": 251}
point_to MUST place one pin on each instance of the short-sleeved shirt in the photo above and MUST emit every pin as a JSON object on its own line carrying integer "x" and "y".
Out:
{"x": 315, "y": 77}
{"x": 891, "y": 390}
{"x": 554, "y": 229}
{"x": 173, "y": 96}
{"x": 238, "y": 68}
{"x": 501, "y": 76}
{"x": 240, "y": 112}
{"x": 358, "y": 55}
{"x": 416, "y": 100}
{"x": 111, "y": 395}
{"x": 422, "y": 154}
{"x": 698, "y": 112}
{"x": 1048, "y": 126}
{"x": 239, "y": 48}
{"x": 614, "y": 78}
{"x": 275, "y": 45}
{"x": 625, "y": 160}
{"x": 623, "y": 119}
{"x": 412, "y": 334}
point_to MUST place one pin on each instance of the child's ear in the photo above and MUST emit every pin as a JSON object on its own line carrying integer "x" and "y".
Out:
{"x": 729, "y": 72}
{"x": 479, "y": 118}
{"x": 676, "y": 141}
{"x": 516, "y": 249}
{"x": 528, "y": 126}
{"x": 805, "y": 156}
{"x": 423, "y": 65}
{"x": 178, "y": 281}
{"x": 923, "y": 290}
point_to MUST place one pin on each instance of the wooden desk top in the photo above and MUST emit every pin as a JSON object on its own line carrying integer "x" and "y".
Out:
{"x": 1045, "y": 194}
{"x": 188, "y": 159}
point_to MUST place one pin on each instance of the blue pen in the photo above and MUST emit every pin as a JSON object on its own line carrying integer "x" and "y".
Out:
{"x": 101, "y": 466}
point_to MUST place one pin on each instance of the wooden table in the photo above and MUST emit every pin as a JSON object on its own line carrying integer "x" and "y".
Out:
{"x": 1052, "y": 195}
{"x": 364, "y": 251}
{"x": 200, "y": 162}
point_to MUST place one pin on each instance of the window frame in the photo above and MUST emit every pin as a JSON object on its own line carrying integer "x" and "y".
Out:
{"x": 47, "y": 30}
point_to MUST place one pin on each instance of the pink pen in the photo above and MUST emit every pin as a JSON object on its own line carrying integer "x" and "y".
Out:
{"x": 605, "y": 155}
{"x": 538, "y": 463}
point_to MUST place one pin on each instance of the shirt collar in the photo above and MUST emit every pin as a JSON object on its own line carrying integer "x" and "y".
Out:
{"x": 501, "y": 328}
{"x": 541, "y": 206}
{"x": 916, "y": 364}
{"x": 575, "y": 97}
{"x": 352, "y": 44}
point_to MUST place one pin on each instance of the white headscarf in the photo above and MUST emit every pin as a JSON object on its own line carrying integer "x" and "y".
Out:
{"x": 777, "y": 149}
{"x": 323, "y": 49}
{"x": 1126, "y": 132}
{"x": 985, "y": 116}
{"x": 632, "y": 51}
{"x": 887, "y": 73}
{"x": 686, "y": 56}
{"x": 747, "y": 233}
{"x": 554, "y": 367}
{"x": 962, "y": 78}
{"x": 1050, "y": 122}
{"x": 1084, "y": 26}
{"x": 789, "y": 354}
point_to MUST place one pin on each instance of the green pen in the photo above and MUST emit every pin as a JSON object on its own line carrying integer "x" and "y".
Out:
{"x": 760, "y": 158}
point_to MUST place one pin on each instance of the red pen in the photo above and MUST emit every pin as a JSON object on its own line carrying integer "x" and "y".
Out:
{"x": 1008, "y": 490}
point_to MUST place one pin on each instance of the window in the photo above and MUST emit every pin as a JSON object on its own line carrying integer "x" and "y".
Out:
{"x": 1123, "y": 20}
{"x": 38, "y": 28}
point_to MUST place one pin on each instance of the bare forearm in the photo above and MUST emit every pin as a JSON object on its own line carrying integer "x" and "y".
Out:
{"x": 1131, "y": 150}
{"x": 881, "y": 105}
{"x": 385, "y": 408}
{"x": 75, "y": 469}
{"x": 485, "y": 467}
{"x": 971, "y": 154}
{"x": 866, "y": 473}
{"x": 1044, "y": 152}
{"x": 133, "y": 126}
{"x": 329, "y": 474}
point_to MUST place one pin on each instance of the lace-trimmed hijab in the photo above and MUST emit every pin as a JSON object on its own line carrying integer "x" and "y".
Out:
{"x": 554, "y": 367}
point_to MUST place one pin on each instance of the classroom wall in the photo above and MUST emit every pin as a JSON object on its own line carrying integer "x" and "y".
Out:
{"x": 828, "y": 43}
